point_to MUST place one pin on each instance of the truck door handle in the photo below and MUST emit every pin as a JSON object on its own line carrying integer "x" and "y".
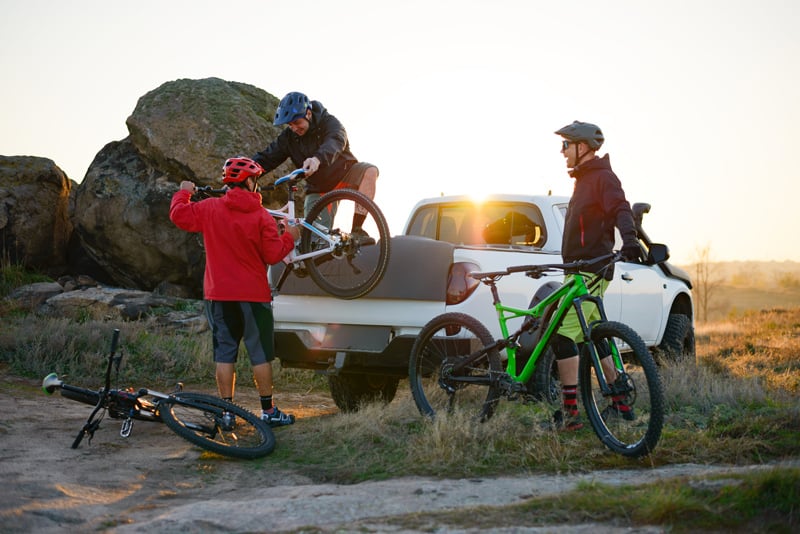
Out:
{"x": 626, "y": 277}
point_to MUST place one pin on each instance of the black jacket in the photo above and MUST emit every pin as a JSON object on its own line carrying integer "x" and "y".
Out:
{"x": 326, "y": 139}
{"x": 597, "y": 205}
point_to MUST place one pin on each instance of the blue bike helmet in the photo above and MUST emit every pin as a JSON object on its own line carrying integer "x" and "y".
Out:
{"x": 292, "y": 107}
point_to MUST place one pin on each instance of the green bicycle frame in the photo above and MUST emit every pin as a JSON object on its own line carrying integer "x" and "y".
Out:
{"x": 572, "y": 293}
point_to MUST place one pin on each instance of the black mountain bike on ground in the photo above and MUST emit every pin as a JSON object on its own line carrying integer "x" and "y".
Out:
{"x": 210, "y": 422}
{"x": 456, "y": 365}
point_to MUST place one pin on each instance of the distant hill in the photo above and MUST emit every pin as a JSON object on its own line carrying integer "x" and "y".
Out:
{"x": 743, "y": 286}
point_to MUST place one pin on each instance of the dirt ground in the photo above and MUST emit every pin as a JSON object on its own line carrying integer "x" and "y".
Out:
{"x": 155, "y": 481}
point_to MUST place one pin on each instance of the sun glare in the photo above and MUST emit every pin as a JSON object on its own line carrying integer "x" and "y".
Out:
{"x": 478, "y": 198}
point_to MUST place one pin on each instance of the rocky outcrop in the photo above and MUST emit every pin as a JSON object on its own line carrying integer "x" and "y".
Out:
{"x": 183, "y": 130}
{"x": 115, "y": 224}
{"x": 34, "y": 212}
{"x": 82, "y": 298}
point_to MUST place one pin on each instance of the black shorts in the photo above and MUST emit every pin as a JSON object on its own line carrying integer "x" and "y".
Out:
{"x": 233, "y": 322}
{"x": 352, "y": 179}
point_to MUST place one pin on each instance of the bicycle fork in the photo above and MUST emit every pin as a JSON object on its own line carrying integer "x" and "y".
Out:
{"x": 597, "y": 353}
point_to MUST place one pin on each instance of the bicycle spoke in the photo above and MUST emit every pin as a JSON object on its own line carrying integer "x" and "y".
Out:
{"x": 358, "y": 259}
{"x": 438, "y": 383}
{"x": 629, "y": 418}
{"x": 197, "y": 418}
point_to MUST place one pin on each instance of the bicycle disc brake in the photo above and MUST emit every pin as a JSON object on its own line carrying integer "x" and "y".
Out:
{"x": 624, "y": 385}
{"x": 445, "y": 381}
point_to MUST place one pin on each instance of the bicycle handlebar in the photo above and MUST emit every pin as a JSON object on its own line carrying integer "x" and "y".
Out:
{"x": 536, "y": 271}
{"x": 292, "y": 178}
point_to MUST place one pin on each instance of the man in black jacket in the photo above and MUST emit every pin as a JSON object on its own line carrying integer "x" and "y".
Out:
{"x": 597, "y": 206}
{"x": 316, "y": 141}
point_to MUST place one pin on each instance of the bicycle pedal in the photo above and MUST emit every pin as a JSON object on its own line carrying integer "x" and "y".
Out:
{"x": 127, "y": 426}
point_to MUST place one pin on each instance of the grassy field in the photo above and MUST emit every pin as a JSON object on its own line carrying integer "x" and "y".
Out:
{"x": 730, "y": 301}
{"x": 738, "y": 406}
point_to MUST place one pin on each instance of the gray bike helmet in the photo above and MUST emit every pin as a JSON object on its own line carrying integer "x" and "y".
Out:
{"x": 585, "y": 132}
{"x": 292, "y": 107}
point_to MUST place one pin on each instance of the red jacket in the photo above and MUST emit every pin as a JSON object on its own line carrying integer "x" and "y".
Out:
{"x": 241, "y": 239}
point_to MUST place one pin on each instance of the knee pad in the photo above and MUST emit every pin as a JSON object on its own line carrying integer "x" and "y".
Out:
{"x": 563, "y": 347}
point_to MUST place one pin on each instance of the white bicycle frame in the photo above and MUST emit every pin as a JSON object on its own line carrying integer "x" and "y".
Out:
{"x": 288, "y": 217}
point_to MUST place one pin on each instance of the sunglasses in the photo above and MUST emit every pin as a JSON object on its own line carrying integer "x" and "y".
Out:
{"x": 565, "y": 144}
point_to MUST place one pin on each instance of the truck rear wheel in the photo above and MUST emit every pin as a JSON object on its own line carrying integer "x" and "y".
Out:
{"x": 350, "y": 390}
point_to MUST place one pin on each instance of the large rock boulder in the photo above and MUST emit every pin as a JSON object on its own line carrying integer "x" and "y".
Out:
{"x": 183, "y": 130}
{"x": 34, "y": 212}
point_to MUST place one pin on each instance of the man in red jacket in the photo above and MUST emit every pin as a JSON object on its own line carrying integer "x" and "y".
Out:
{"x": 241, "y": 239}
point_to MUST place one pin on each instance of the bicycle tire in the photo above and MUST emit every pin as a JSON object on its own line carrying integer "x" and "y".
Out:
{"x": 77, "y": 441}
{"x": 354, "y": 268}
{"x": 545, "y": 384}
{"x": 638, "y": 434}
{"x": 443, "y": 341}
{"x": 196, "y": 418}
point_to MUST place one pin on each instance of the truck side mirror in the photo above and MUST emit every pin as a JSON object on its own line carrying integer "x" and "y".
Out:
{"x": 657, "y": 253}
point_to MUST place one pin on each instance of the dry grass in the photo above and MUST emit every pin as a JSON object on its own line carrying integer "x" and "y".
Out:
{"x": 738, "y": 405}
{"x": 764, "y": 345}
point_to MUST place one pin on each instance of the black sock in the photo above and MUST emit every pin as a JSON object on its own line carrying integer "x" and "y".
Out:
{"x": 266, "y": 403}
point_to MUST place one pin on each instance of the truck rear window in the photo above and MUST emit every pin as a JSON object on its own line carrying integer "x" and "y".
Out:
{"x": 489, "y": 223}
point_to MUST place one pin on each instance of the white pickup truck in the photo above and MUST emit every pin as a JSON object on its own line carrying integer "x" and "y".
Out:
{"x": 363, "y": 345}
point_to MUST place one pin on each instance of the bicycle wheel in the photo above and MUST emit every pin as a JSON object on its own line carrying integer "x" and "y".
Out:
{"x": 358, "y": 261}
{"x": 436, "y": 387}
{"x": 545, "y": 384}
{"x": 196, "y": 417}
{"x": 631, "y": 433}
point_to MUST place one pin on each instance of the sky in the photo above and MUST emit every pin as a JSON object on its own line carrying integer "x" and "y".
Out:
{"x": 699, "y": 100}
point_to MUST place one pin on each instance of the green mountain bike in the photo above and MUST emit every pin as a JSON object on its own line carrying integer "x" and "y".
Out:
{"x": 455, "y": 363}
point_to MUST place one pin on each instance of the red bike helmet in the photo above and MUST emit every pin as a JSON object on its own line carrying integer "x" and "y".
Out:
{"x": 239, "y": 169}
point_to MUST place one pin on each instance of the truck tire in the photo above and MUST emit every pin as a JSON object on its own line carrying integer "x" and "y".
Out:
{"x": 350, "y": 390}
{"x": 678, "y": 345}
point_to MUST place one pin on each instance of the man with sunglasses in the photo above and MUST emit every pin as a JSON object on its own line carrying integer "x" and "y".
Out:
{"x": 597, "y": 206}
{"x": 316, "y": 141}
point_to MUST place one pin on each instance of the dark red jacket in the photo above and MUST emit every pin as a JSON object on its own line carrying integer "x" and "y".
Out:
{"x": 598, "y": 204}
{"x": 241, "y": 239}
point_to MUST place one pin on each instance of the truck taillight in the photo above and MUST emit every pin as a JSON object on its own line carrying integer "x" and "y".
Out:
{"x": 459, "y": 285}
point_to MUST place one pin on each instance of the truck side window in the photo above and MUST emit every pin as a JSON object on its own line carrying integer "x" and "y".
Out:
{"x": 425, "y": 223}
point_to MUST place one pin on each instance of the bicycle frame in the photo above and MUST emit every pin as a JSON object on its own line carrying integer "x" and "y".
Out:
{"x": 572, "y": 293}
{"x": 290, "y": 218}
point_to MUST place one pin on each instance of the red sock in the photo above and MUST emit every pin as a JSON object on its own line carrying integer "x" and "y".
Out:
{"x": 570, "y": 399}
